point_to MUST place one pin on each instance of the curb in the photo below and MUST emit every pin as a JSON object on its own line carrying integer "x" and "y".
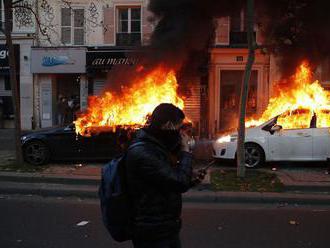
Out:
{"x": 193, "y": 196}
{"x": 45, "y": 178}
{"x": 256, "y": 197}
{"x": 307, "y": 188}
{"x": 288, "y": 185}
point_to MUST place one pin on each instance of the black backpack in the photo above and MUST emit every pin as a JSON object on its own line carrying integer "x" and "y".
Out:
{"x": 114, "y": 199}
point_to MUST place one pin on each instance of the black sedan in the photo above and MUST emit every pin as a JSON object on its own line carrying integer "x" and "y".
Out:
{"x": 64, "y": 144}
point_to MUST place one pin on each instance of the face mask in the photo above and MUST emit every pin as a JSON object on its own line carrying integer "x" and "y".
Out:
{"x": 171, "y": 139}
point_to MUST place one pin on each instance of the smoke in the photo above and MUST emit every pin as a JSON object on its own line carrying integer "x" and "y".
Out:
{"x": 181, "y": 39}
{"x": 296, "y": 30}
{"x": 185, "y": 29}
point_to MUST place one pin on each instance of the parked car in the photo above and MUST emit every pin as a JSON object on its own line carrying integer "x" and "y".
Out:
{"x": 270, "y": 142}
{"x": 64, "y": 144}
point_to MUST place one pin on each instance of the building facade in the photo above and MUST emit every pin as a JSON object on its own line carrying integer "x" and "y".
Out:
{"x": 77, "y": 44}
{"x": 228, "y": 57}
{"x": 85, "y": 41}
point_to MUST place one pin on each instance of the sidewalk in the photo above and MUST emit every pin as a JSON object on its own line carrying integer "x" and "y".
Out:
{"x": 304, "y": 179}
{"x": 7, "y": 141}
{"x": 302, "y": 186}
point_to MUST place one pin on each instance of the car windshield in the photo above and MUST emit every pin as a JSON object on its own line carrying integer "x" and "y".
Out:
{"x": 296, "y": 119}
{"x": 323, "y": 118}
{"x": 301, "y": 118}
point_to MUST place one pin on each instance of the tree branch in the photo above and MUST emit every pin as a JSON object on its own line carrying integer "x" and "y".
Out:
{"x": 16, "y": 2}
{"x": 39, "y": 24}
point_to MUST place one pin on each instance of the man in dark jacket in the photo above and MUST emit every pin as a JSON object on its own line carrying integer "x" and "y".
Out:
{"x": 156, "y": 180}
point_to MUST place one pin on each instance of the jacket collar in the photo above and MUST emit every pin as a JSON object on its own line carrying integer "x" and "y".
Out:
{"x": 143, "y": 135}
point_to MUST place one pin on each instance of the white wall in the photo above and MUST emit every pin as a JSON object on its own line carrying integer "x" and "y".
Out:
{"x": 26, "y": 84}
{"x": 46, "y": 101}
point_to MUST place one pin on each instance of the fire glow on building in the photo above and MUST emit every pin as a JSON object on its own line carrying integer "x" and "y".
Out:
{"x": 130, "y": 107}
{"x": 297, "y": 102}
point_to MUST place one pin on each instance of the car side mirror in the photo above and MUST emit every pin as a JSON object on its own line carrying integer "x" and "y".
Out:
{"x": 69, "y": 128}
{"x": 276, "y": 128}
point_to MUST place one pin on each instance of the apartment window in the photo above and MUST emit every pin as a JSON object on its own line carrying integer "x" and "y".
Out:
{"x": 238, "y": 34}
{"x": 236, "y": 21}
{"x": 128, "y": 26}
{"x": 72, "y": 30}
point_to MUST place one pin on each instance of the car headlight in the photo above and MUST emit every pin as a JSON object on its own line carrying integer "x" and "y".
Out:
{"x": 23, "y": 138}
{"x": 227, "y": 138}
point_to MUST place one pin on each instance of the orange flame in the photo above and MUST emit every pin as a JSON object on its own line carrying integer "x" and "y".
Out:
{"x": 132, "y": 104}
{"x": 296, "y": 105}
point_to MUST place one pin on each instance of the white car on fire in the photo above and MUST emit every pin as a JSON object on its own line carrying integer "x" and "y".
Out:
{"x": 272, "y": 142}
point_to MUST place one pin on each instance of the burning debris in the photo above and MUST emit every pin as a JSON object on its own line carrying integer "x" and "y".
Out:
{"x": 297, "y": 102}
{"x": 130, "y": 107}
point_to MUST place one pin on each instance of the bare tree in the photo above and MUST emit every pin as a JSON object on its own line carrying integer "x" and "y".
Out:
{"x": 245, "y": 88}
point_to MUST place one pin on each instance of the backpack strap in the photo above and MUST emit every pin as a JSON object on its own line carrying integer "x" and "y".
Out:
{"x": 135, "y": 145}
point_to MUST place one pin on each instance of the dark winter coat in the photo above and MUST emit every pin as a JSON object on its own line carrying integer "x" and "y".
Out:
{"x": 155, "y": 186}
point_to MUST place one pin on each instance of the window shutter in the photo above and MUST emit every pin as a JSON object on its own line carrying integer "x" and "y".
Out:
{"x": 109, "y": 37}
{"x": 79, "y": 31}
{"x": 146, "y": 26}
{"x": 222, "y": 31}
{"x": 259, "y": 36}
{"x": 66, "y": 25}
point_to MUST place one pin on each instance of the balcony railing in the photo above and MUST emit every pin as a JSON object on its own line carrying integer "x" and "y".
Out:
{"x": 239, "y": 38}
{"x": 128, "y": 39}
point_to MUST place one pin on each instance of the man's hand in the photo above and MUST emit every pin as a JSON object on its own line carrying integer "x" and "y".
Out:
{"x": 199, "y": 176}
{"x": 185, "y": 141}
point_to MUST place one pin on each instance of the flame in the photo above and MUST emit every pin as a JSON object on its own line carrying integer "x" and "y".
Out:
{"x": 131, "y": 106}
{"x": 297, "y": 104}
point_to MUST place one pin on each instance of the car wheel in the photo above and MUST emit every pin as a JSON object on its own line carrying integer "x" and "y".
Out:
{"x": 254, "y": 155}
{"x": 36, "y": 153}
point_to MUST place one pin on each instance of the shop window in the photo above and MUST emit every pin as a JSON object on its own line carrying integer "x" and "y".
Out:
{"x": 7, "y": 83}
{"x": 72, "y": 26}
{"x": 8, "y": 111}
{"x": 128, "y": 26}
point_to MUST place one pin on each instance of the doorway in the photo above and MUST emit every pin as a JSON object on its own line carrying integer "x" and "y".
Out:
{"x": 230, "y": 89}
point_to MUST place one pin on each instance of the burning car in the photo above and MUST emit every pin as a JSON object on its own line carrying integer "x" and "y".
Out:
{"x": 300, "y": 130}
{"x": 109, "y": 122}
{"x": 63, "y": 144}
{"x": 272, "y": 142}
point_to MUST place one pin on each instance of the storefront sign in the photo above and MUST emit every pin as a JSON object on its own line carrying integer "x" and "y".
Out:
{"x": 4, "y": 60}
{"x": 58, "y": 60}
{"x": 105, "y": 59}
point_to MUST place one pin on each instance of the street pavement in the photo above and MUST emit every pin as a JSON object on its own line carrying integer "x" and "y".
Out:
{"x": 37, "y": 222}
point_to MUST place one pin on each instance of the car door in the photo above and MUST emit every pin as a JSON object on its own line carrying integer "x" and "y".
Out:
{"x": 292, "y": 144}
{"x": 64, "y": 145}
{"x": 106, "y": 145}
{"x": 86, "y": 147}
{"x": 321, "y": 143}
{"x": 98, "y": 146}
